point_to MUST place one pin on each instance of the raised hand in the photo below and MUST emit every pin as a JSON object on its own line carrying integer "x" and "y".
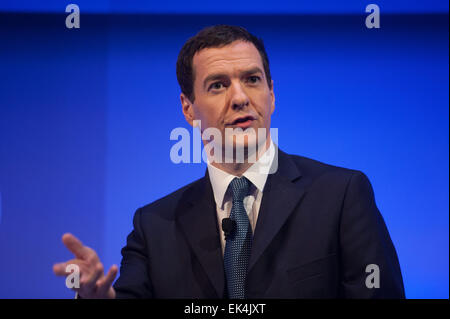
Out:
{"x": 93, "y": 282}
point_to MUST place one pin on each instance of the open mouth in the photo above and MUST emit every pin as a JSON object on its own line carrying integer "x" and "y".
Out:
{"x": 243, "y": 122}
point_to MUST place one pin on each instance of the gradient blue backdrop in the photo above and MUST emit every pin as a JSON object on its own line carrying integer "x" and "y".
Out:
{"x": 85, "y": 119}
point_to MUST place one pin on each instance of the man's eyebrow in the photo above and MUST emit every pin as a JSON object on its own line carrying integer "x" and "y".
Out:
{"x": 218, "y": 76}
{"x": 213, "y": 77}
{"x": 252, "y": 71}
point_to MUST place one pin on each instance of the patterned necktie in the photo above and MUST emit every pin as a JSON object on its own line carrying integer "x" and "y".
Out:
{"x": 239, "y": 243}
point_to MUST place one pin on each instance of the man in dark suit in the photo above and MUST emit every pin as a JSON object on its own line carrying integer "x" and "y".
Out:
{"x": 278, "y": 226}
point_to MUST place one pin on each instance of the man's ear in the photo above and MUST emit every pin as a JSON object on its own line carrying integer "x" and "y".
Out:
{"x": 187, "y": 108}
{"x": 272, "y": 96}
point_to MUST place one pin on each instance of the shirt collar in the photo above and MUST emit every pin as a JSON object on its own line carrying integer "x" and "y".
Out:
{"x": 256, "y": 174}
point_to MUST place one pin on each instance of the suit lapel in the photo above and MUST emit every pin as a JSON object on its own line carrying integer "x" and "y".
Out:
{"x": 280, "y": 197}
{"x": 196, "y": 217}
{"x": 198, "y": 220}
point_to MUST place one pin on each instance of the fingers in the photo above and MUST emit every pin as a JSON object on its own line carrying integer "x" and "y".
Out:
{"x": 77, "y": 248}
{"x": 89, "y": 279}
{"x": 93, "y": 282}
{"x": 105, "y": 283}
{"x": 60, "y": 268}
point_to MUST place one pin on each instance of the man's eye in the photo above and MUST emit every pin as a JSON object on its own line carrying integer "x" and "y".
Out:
{"x": 254, "y": 79}
{"x": 216, "y": 86}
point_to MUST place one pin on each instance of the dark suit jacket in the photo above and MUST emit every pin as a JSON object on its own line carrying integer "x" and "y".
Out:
{"x": 317, "y": 230}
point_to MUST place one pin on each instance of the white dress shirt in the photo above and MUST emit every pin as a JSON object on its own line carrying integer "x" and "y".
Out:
{"x": 256, "y": 174}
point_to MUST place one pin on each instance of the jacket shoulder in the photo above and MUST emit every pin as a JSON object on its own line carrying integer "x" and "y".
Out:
{"x": 314, "y": 166}
{"x": 316, "y": 169}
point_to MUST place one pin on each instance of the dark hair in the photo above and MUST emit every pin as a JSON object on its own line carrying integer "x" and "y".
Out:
{"x": 214, "y": 37}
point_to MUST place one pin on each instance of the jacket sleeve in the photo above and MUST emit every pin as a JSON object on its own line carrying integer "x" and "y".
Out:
{"x": 369, "y": 262}
{"x": 134, "y": 280}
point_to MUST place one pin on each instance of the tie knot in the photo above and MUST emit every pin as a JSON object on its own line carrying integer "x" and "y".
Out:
{"x": 239, "y": 188}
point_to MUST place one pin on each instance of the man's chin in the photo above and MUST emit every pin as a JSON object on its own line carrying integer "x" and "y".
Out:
{"x": 242, "y": 151}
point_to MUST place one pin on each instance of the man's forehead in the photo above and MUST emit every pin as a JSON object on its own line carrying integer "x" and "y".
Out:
{"x": 237, "y": 54}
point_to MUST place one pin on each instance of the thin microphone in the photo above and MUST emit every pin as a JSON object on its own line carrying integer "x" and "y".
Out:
{"x": 228, "y": 226}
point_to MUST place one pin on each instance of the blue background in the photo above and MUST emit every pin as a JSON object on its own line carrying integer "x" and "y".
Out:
{"x": 86, "y": 115}
{"x": 230, "y": 6}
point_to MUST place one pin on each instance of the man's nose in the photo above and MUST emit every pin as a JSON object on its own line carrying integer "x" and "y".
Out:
{"x": 239, "y": 98}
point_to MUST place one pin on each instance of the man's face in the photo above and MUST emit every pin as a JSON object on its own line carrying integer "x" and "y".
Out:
{"x": 230, "y": 89}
